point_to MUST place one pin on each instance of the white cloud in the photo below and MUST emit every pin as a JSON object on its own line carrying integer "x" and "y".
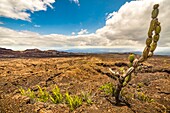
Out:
{"x": 76, "y": 2}
{"x": 37, "y": 25}
{"x": 1, "y": 23}
{"x": 82, "y": 32}
{"x": 14, "y": 39}
{"x": 132, "y": 21}
{"x": 16, "y": 9}
{"x": 128, "y": 28}
{"x": 73, "y": 33}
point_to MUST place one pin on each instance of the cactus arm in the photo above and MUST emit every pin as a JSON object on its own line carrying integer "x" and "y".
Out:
{"x": 114, "y": 73}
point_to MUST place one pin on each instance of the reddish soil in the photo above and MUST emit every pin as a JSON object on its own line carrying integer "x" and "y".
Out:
{"x": 83, "y": 74}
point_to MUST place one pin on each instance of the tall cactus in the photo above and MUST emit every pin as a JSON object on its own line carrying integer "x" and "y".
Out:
{"x": 151, "y": 44}
{"x": 151, "y": 41}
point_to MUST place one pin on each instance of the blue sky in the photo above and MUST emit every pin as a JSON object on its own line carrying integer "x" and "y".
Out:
{"x": 79, "y": 24}
{"x": 66, "y": 17}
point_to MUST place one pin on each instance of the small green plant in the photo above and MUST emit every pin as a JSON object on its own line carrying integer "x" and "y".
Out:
{"x": 108, "y": 88}
{"x": 22, "y": 91}
{"x": 122, "y": 70}
{"x": 77, "y": 101}
{"x": 28, "y": 93}
{"x": 43, "y": 95}
{"x": 73, "y": 102}
{"x": 57, "y": 97}
{"x": 89, "y": 101}
{"x": 31, "y": 93}
{"x": 87, "y": 98}
{"x": 142, "y": 97}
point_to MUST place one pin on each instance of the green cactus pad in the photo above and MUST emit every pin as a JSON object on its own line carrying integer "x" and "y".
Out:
{"x": 145, "y": 52}
{"x": 158, "y": 29}
{"x": 155, "y": 13}
{"x": 156, "y": 6}
{"x": 127, "y": 79}
{"x": 148, "y": 41}
{"x": 152, "y": 24}
{"x": 156, "y": 38}
{"x": 131, "y": 57}
{"x": 150, "y": 33}
{"x": 153, "y": 46}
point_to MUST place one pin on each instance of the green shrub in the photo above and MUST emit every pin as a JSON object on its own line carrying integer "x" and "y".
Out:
{"x": 73, "y": 102}
{"x": 57, "y": 97}
{"x": 43, "y": 95}
{"x": 142, "y": 97}
{"x": 87, "y": 98}
{"x": 108, "y": 88}
{"x": 22, "y": 91}
{"x": 31, "y": 93}
{"x": 122, "y": 70}
{"x": 28, "y": 92}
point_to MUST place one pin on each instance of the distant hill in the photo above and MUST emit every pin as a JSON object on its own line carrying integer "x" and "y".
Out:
{"x": 9, "y": 53}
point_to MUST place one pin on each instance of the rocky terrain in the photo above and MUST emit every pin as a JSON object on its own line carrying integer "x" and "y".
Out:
{"x": 83, "y": 74}
{"x": 8, "y": 53}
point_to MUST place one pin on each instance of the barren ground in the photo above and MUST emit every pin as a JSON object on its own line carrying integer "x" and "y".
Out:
{"x": 83, "y": 74}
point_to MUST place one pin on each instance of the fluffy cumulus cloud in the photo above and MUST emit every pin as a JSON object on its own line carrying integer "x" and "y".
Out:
{"x": 16, "y": 9}
{"x": 130, "y": 24}
{"x": 126, "y": 27}
{"x": 26, "y": 39}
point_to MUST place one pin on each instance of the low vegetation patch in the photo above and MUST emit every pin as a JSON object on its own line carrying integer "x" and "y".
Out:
{"x": 56, "y": 97}
{"x": 43, "y": 95}
{"x": 107, "y": 88}
{"x": 27, "y": 92}
{"x": 143, "y": 97}
{"x": 86, "y": 96}
{"x": 73, "y": 101}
